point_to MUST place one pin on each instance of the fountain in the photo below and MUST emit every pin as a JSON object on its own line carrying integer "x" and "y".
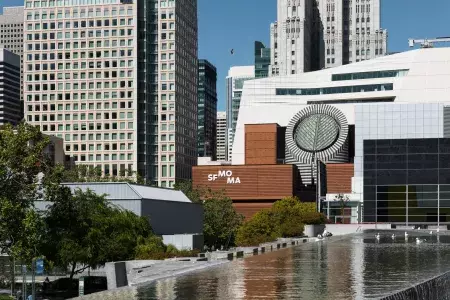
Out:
{"x": 350, "y": 267}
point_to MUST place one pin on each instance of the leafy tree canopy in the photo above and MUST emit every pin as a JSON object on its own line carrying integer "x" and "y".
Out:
{"x": 22, "y": 164}
{"x": 83, "y": 229}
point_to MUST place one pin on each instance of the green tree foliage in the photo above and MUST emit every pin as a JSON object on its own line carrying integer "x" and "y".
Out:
{"x": 286, "y": 218}
{"x": 149, "y": 246}
{"x": 84, "y": 173}
{"x": 259, "y": 229}
{"x": 194, "y": 194}
{"x": 21, "y": 160}
{"x": 84, "y": 230}
{"x": 221, "y": 221}
{"x": 343, "y": 201}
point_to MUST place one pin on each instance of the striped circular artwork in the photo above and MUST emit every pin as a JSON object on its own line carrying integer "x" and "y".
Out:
{"x": 318, "y": 131}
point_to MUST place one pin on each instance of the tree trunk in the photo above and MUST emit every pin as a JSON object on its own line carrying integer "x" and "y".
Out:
{"x": 12, "y": 271}
{"x": 74, "y": 265}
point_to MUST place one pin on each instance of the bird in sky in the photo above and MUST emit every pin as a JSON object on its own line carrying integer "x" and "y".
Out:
{"x": 232, "y": 51}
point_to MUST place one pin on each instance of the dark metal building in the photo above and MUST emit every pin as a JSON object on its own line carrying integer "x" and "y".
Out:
{"x": 10, "y": 111}
{"x": 262, "y": 60}
{"x": 207, "y": 109}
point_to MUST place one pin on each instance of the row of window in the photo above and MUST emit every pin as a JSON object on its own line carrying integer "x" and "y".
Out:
{"x": 84, "y": 86}
{"x": 104, "y": 157}
{"x": 369, "y": 75}
{"x": 77, "y": 13}
{"x": 99, "y": 147}
{"x": 91, "y": 106}
{"x": 76, "y": 96}
{"x": 76, "y": 45}
{"x": 114, "y": 74}
{"x": 82, "y": 75}
{"x": 98, "y": 137}
{"x": 11, "y": 25}
{"x": 113, "y": 169}
{"x": 81, "y": 24}
{"x": 81, "y": 65}
{"x": 83, "y": 34}
{"x": 98, "y": 116}
{"x": 90, "y": 126}
{"x": 336, "y": 90}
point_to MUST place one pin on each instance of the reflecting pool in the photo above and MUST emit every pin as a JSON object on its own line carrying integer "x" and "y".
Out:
{"x": 351, "y": 267}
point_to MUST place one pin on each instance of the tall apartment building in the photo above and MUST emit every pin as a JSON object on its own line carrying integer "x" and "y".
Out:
{"x": 9, "y": 87}
{"x": 262, "y": 60}
{"x": 234, "y": 86}
{"x": 221, "y": 148}
{"x": 117, "y": 79}
{"x": 11, "y": 34}
{"x": 207, "y": 109}
{"x": 315, "y": 34}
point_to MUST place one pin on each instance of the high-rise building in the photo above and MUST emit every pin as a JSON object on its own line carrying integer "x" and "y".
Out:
{"x": 262, "y": 60}
{"x": 11, "y": 34}
{"x": 118, "y": 86}
{"x": 315, "y": 34}
{"x": 221, "y": 140}
{"x": 235, "y": 83}
{"x": 207, "y": 109}
{"x": 9, "y": 87}
{"x": 291, "y": 37}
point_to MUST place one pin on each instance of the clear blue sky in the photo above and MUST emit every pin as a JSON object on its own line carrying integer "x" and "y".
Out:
{"x": 227, "y": 24}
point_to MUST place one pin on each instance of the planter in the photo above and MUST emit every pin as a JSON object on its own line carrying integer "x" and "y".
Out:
{"x": 314, "y": 230}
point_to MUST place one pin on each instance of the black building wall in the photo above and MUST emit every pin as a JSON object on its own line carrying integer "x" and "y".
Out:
{"x": 407, "y": 180}
{"x": 207, "y": 109}
{"x": 10, "y": 106}
{"x": 170, "y": 217}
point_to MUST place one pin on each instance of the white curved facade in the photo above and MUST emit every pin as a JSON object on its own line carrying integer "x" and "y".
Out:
{"x": 418, "y": 76}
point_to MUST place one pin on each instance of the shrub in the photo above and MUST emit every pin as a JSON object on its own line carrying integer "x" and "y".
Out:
{"x": 259, "y": 229}
{"x": 314, "y": 218}
{"x": 154, "y": 248}
{"x": 286, "y": 218}
{"x": 171, "y": 249}
{"x": 149, "y": 247}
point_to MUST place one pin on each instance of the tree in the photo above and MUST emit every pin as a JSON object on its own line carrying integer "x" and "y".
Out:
{"x": 84, "y": 173}
{"x": 343, "y": 201}
{"x": 194, "y": 194}
{"x": 22, "y": 159}
{"x": 220, "y": 221}
{"x": 259, "y": 229}
{"x": 286, "y": 218}
{"x": 84, "y": 230}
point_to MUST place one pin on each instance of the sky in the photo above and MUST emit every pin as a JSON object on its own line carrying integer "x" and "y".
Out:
{"x": 236, "y": 24}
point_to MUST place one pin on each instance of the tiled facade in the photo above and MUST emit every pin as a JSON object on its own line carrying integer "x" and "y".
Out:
{"x": 104, "y": 78}
{"x": 221, "y": 136}
{"x": 311, "y": 35}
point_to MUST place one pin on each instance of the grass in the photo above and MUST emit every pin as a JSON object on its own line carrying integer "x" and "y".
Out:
{"x": 5, "y": 297}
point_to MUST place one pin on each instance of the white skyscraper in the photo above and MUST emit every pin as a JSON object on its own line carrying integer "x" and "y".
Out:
{"x": 315, "y": 34}
{"x": 113, "y": 83}
{"x": 235, "y": 84}
{"x": 221, "y": 140}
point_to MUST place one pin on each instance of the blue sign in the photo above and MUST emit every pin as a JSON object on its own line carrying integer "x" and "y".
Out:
{"x": 39, "y": 266}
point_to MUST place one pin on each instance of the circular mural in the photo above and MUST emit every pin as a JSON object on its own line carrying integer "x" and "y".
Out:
{"x": 318, "y": 131}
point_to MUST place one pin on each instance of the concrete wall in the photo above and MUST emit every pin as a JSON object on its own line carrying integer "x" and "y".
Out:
{"x": 313, "y": 230}
{"x": 185, "y": 241}
{"x": 341, "y": 229}
{"x": 169, "y": 217}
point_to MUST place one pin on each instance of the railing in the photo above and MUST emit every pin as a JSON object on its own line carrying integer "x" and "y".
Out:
{"x": 340, "y": 218}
